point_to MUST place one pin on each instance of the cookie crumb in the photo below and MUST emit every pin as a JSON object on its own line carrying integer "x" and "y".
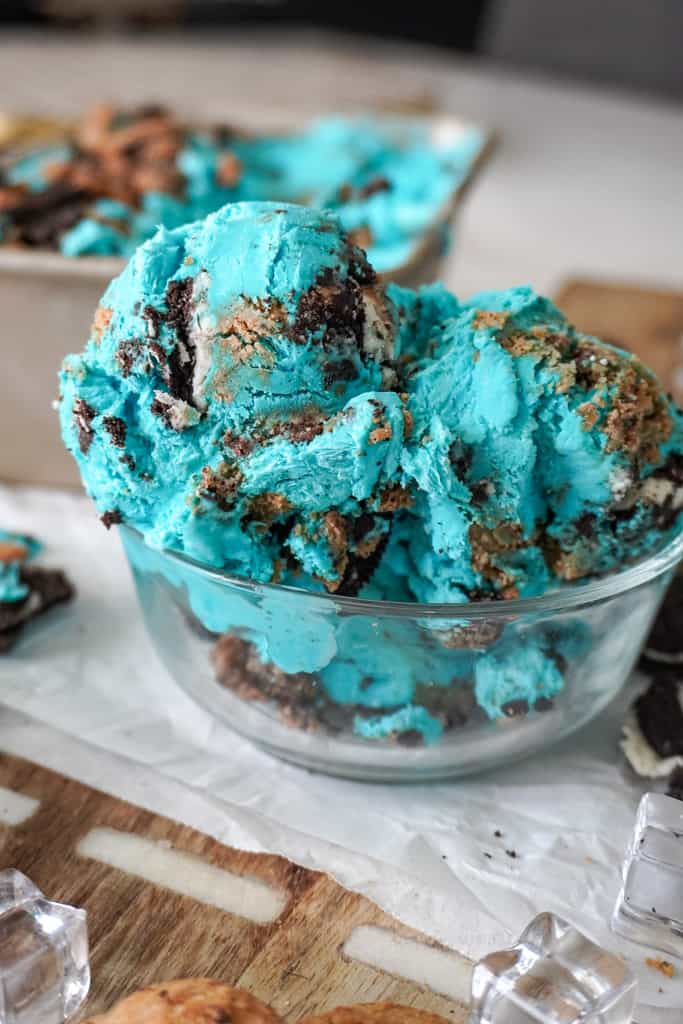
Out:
{"x": 664, "y": 967}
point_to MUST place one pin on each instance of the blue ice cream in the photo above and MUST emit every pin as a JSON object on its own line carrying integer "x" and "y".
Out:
{"x": 537, "y": 454}
{"x": 126, "y": 173}
{"x": 251, "y": 396}
{"x": 15, "y": 550}
{"x": 236, "y": 371}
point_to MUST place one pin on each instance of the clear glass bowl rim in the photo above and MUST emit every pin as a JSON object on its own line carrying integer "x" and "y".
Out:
{"x": 571, "y": 597}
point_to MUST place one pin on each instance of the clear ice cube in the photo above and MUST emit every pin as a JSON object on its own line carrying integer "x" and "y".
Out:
{"x": 44, "y": 969}
{"x": 649, "y": 908}
{"x": 553, "y": 975}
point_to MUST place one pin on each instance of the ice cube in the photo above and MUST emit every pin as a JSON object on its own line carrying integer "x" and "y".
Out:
{"x": 553, "y": 975}
{"x": 44, "y": 970}
{"x": 649, "y": 908}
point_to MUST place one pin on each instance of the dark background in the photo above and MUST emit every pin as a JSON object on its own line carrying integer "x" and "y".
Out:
{"x": 631, "y": 44}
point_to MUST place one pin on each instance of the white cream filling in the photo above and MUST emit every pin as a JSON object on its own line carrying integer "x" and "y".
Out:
{"x": 620, "y": 482}
{"x": 643, "y": 759}
{"x": 378, "y": 330}
{"x": 202, "y": 334}
{"x": 180, "y": 415}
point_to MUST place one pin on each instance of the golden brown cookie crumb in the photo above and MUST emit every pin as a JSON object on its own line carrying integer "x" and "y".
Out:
{"x": 189, "y": 1001}
{"x": 361, "y": 236}
{"x": 375, "y": 1013}
{"x": 265, "y": 508}
{"x": 229, "y": 170}
{"x": 12, "y": 551}
{"x": 663, "y": 966}
{"x": 102, "y": 320}
{"x": 489, "y": 318}
{"x": 487, "y": 544}
{"x": 380, "y": 434}
{"x": 394, "y": 497}
{"x": 589, "y": 413}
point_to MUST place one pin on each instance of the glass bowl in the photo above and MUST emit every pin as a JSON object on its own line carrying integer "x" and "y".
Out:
{"x": 395, "y": 691}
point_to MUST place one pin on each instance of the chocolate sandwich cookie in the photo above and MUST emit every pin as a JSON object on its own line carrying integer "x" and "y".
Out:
{"x": 664, "y": 645}
{"x": 25, "y": 591}
{"x": 375, "y": 1013}
{"x": 653, "y": 731}
{"x": 189, "y": 1001}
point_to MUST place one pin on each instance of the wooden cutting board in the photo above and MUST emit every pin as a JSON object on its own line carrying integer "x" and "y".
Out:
{"x": 646, "y": 321}
{"x": 142, "y": 932}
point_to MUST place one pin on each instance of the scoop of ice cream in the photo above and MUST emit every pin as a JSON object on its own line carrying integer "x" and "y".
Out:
{"x": 232, "y": 399}
{"x": 538, "y": 454}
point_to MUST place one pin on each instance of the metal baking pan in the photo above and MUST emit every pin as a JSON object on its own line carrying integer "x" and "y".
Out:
{"x": 49, "y": 300}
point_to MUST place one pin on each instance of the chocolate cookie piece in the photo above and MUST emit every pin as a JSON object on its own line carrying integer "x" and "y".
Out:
{"x": 659, "y": 714}
{"x": 375, "y": 1013}
{"x": 47, "y": 587}
{"x": 189, "y": 1001}
{"x": 653, "y": 730}
{"x": 675, "y": 785}
{"x": 664, "y": 645}
{"x": 238, "y": 667}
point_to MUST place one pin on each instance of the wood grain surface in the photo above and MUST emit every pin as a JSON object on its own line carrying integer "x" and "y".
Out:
{"x": 142, "y": 933}
{"x": 646, "y": 321}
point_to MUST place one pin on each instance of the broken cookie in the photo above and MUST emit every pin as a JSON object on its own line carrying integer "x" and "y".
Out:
{"x": 189, "y": 1001}
{"x": 25, "y": 591}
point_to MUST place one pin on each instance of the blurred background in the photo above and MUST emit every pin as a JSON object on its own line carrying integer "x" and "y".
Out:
{"x": 632, "y": 44}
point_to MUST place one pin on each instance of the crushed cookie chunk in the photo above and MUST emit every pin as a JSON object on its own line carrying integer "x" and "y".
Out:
{"x": 410, "y": 738}
{"x": 339, "y": 370}
{"x": 303, "y": 426}
{"x": 127, "y": 354}
{"x": 380, "y": 434}
{"x": 336, "y": 529}
{"x": 664, "y": 967}
{"x": 267, "y": 507}
{"x": 361, "y": 236}
{"x": 83, "y": 415}
{"x": 241, "y": 446}
{"x": 116, "y": 428}
{"x": 111, "y": 518}
{"x": 248, "y": 323}
{"x": 332, "y": 306}
{"x": 360, "y": 567}
{"x": 394, "y": 497}
{"x": 229, "y": 170}
{"x": 46, "y": 588}
{"x": 220, "y": 485}
{"x": 487, "y": 544}
{"x": 590, "y": 415}
{"x": 484, "y": 318}
{"x": 103, "y": 316}
{"x": 639, "y": 421}
{"x": 515, "y": 708}
{"x": 181, "y": 361}
{"x": 380, "y": 183}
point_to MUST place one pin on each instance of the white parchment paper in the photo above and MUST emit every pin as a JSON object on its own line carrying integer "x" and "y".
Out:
{"x": 88, "y": 671}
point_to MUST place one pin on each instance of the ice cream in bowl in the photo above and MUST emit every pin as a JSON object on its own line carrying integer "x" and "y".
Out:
{"x": 384, "y": 533}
